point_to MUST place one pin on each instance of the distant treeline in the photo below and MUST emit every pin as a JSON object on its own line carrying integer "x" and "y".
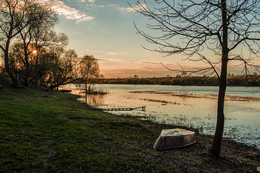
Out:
{"x": 232, "y": 80}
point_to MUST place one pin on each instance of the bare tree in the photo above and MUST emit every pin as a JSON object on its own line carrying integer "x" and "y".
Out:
{"x": 12, "y": 21}
{"x": 89, "y": 71}
{"x": 228, "y": 28}
{"x": 49, "y": 47}
{"x": 44, "y": 20}
{"x": 63, "y": 69}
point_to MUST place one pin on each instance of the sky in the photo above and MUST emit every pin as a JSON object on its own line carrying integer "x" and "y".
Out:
{"x": 105, "y": 29}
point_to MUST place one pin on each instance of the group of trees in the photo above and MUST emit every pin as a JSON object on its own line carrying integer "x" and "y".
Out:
{"x": 232, "y": 80}
{"x": 33, "y": 53}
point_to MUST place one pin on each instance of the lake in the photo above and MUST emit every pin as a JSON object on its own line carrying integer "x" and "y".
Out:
{"x": 190, "y": 106}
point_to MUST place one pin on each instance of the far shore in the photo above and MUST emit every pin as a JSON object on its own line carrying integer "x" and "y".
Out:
{"x": 180, "y": 94}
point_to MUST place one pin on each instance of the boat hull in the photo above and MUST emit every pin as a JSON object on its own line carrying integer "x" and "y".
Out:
{"x": 174, "y": 138}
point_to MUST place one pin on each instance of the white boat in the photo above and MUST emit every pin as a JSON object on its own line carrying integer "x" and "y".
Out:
{"x": 174, "y": 138}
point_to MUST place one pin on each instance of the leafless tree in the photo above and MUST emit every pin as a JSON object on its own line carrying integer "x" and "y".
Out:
{"x": 12, "y": 21}
{"x": 228, "y": 28}
{"x": 43, "y": 21}
{"x": 63, "y": 69}
{"x": 89, "y": 71}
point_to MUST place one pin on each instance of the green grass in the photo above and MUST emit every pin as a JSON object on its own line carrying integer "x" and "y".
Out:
{"x": 44, "y": 131}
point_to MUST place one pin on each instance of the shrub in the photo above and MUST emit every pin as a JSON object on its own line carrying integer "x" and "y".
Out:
{"x": 5, "y": 82}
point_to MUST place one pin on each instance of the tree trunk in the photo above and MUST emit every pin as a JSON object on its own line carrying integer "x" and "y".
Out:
{"x": 9, "y": 72}
{"x": 27, "y": 76}
{"x": 7, "y": 66}
{"x": 27, "y": 73}
{"x": 216, "y": 145}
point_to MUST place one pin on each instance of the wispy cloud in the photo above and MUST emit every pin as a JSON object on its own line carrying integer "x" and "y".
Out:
{"x": 115, "y": 63}
{"x": 94, "y": 5}
{"x": 69, "y": 13}
{"x": 127, "y": 9}
{"x": 124, "y": 68}
{"x": 131, "y": 9}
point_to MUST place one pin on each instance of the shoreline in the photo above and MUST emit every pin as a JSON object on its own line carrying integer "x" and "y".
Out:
{"x": 149, "y": 118}
{"x": 207, "y": 130}
{"x": 146, "y": 118}
{"x": 41, "y": 133}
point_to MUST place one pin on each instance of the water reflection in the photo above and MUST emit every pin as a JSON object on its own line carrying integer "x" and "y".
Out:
{"x": 242, "y": 119}
{"x": 91, "y": 99}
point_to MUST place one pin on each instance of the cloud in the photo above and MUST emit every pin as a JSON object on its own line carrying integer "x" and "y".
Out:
{"x": 116, "y": 53}
{"x": 118, "y": 63}
{"x": 94, "y": 5}
{"x": 112, "y": 5}
{"x": 127, "y": 9}
{"x": 91, "y": 1}
{"x": 132, "y": 9}
{"x": 69, "y": 13}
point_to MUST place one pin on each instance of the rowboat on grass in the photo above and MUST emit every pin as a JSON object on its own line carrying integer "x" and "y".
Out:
{"x": 174, "y": 138}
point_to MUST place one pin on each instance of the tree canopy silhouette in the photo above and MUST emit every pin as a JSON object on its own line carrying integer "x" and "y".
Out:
{"x": 89, "y": 71}
{"x": 33, "y": 53}
{"x": 12, "y": 14}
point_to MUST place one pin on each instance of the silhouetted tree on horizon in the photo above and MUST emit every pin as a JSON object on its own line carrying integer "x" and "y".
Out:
{"x": 33, "y": 53}
{"x": 14, "y": 17}
{"x": 44, "y": 20}
{"x": 89, "y": 71}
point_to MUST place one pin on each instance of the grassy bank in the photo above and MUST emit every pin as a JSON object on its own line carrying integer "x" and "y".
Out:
{"x": 44, "y": 131}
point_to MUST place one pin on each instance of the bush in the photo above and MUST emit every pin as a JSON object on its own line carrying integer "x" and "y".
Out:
{"x": 5, "y": 82}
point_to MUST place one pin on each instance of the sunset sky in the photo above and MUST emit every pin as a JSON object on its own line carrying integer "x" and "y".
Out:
{"x": 105, "y": 29}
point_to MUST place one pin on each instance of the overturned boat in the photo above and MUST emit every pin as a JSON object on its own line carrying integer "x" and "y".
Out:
{"x": 174, "y": 138}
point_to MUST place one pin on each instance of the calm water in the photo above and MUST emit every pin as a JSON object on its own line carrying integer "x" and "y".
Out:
{"x": 192, "y": 106}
